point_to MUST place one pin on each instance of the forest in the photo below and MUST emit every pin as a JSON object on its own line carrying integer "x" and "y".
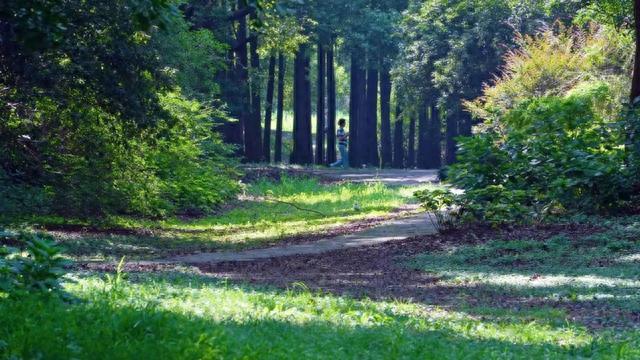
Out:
{"x": 320, "y": 179}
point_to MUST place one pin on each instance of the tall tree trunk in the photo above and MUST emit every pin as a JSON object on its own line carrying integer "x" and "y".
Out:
{"x": 331, "y": 102}
{"x": 434, "y": 140}
{"x": 253, "y": 128}
{"x": 411, "y": 152}
{"x": 371, "y": 129}
{"x": 269, "y": 109}
{"x": 302, "y": 153}
{"x": 280, "y": 108}
{"x": 398, "y": 140}
{"x": 451, "y": 134}
{"x": 232, "y": 130}
{"x": 354, "y": 110}
{"x": 243, "y": 76}
{"x": 320, "y": 111}
{"x": 635, "y": 85}
{"x": 423, "y": 129}
{"x": 385, "y": 117}
{"x": 363, "y": 141}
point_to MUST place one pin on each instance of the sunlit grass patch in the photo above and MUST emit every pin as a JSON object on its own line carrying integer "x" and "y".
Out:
{"x": 590, "y": 271}
{"x": 270, "y": 212}
{"x": 186, "y": 316}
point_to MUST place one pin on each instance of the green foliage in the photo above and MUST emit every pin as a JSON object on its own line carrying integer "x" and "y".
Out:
{"x": 96, "y": 123}
{"x": 40, "y": 270}
{"x": 187, "y": 316}
{"x": 443, "y": 205}
{"x": 554, "y": 153}
{"x": 552, "y": 140}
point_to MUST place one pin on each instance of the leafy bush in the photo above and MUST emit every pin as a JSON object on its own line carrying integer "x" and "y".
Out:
{"x": 444, "y": 205}
{"x": 39, "y": 270}
{"x": 493, "y": 205}
{"x": 555, "y": 153}
{"x": 553, "y": 140}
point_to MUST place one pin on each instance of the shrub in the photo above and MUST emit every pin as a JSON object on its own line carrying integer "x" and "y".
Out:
{"x": 554, "y": 153}
{"x": 38, "y": 271}
{"x": 553, "y": 140}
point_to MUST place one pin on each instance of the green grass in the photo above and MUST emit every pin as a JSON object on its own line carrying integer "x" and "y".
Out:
{"x": 594, "y": 275}
{"x": 255, "y": 222}
{"x": 184, "y": 316}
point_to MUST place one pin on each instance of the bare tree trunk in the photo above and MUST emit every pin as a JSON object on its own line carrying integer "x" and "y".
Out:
{"x": 354, "y": 109}
{"x": 280, "y": 108}
{"x": 398, "y": 140}
{"x": 451, "y": 134}
{"x": 269, "y": 109}
{"x": 253, "y": 128}
{"x": 385, "y": 117}
{"x": 331, "y": 102}
{"x": 423, "y": 128}
{"x": 320, "y": 111}
{"x": 302, "y": 145}
{"x": 635, "y": 85}
{"x": 370, "y": 146}
{"x": 243, "y": 77}
{"x": 411, "y": 152}
{"x": 434, "y": 140}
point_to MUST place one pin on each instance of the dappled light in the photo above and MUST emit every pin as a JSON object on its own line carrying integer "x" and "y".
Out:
{"x": 326, "y": 179}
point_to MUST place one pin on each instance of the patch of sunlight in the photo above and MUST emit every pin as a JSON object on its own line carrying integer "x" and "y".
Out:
{"x": 224, "y": 304}
{"x": 593, "y": 297}
{"x": 534, "y": 281}
{"x": 629, "y": 258}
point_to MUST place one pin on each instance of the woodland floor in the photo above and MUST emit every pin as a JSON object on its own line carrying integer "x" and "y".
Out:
{"x": 566, "y": 290}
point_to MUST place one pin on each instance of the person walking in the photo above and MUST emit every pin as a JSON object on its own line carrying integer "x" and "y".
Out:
{"x": 343, "y": 143}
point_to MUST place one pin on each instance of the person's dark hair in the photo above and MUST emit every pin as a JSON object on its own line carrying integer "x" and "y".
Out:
{"x": 342, "y": 122}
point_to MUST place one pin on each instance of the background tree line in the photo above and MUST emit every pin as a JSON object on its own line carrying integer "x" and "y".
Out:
{"x": 122, "y": 107}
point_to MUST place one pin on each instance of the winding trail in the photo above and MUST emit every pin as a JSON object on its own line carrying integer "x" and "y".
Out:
{"x": 400, "y": 229}
{"x": 394, "y": 230}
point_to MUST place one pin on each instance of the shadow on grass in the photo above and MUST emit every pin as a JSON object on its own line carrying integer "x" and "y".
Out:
{"x": 195, "y": 318}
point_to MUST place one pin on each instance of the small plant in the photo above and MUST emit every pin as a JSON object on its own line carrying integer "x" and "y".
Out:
{"x": 36, "y": 269}
{"x": 443, "y": 205}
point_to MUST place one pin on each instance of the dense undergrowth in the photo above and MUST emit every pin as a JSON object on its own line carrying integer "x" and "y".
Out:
{"x": 555, "y": 137}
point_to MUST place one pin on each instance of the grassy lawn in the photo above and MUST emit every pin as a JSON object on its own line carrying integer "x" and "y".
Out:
{"x": 256, "y": 220}
{"x": 183, "y": 316}
{"x": 590, "y": 277}
{"x": 571, "y": 295}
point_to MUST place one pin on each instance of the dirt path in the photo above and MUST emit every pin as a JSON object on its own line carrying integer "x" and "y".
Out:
{"x": 395, "y": 230}
{"x": 386, "y": 176}
{"x": 398, "y": 229}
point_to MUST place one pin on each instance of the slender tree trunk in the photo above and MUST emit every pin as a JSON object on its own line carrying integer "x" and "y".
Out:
{"x": 434, "y": 140}
{"x": 371, "y": 144}
{"x": 320, "y": 111}
{"x": 398, "y": 140}
{"x": 232, "y": 130}
{"x": 354, "y": 110}
{"x": 385, "y": 117}
{"x": 331, "y": 102}
{"x": 253, "y": 128}
{"x": 363, "y": 132}
{"x": 635, "y": 85}
{"x": 423, "y": 129}
{"x": 634, "y": 136}
{"x": 280, "y": 108}
{"x": 269, "y": 109}
{"x": 242, "y": 55}
{"x": 302, "y": 153}
{"x": 411, "y": 152}
{"x": 451, "y": 134}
